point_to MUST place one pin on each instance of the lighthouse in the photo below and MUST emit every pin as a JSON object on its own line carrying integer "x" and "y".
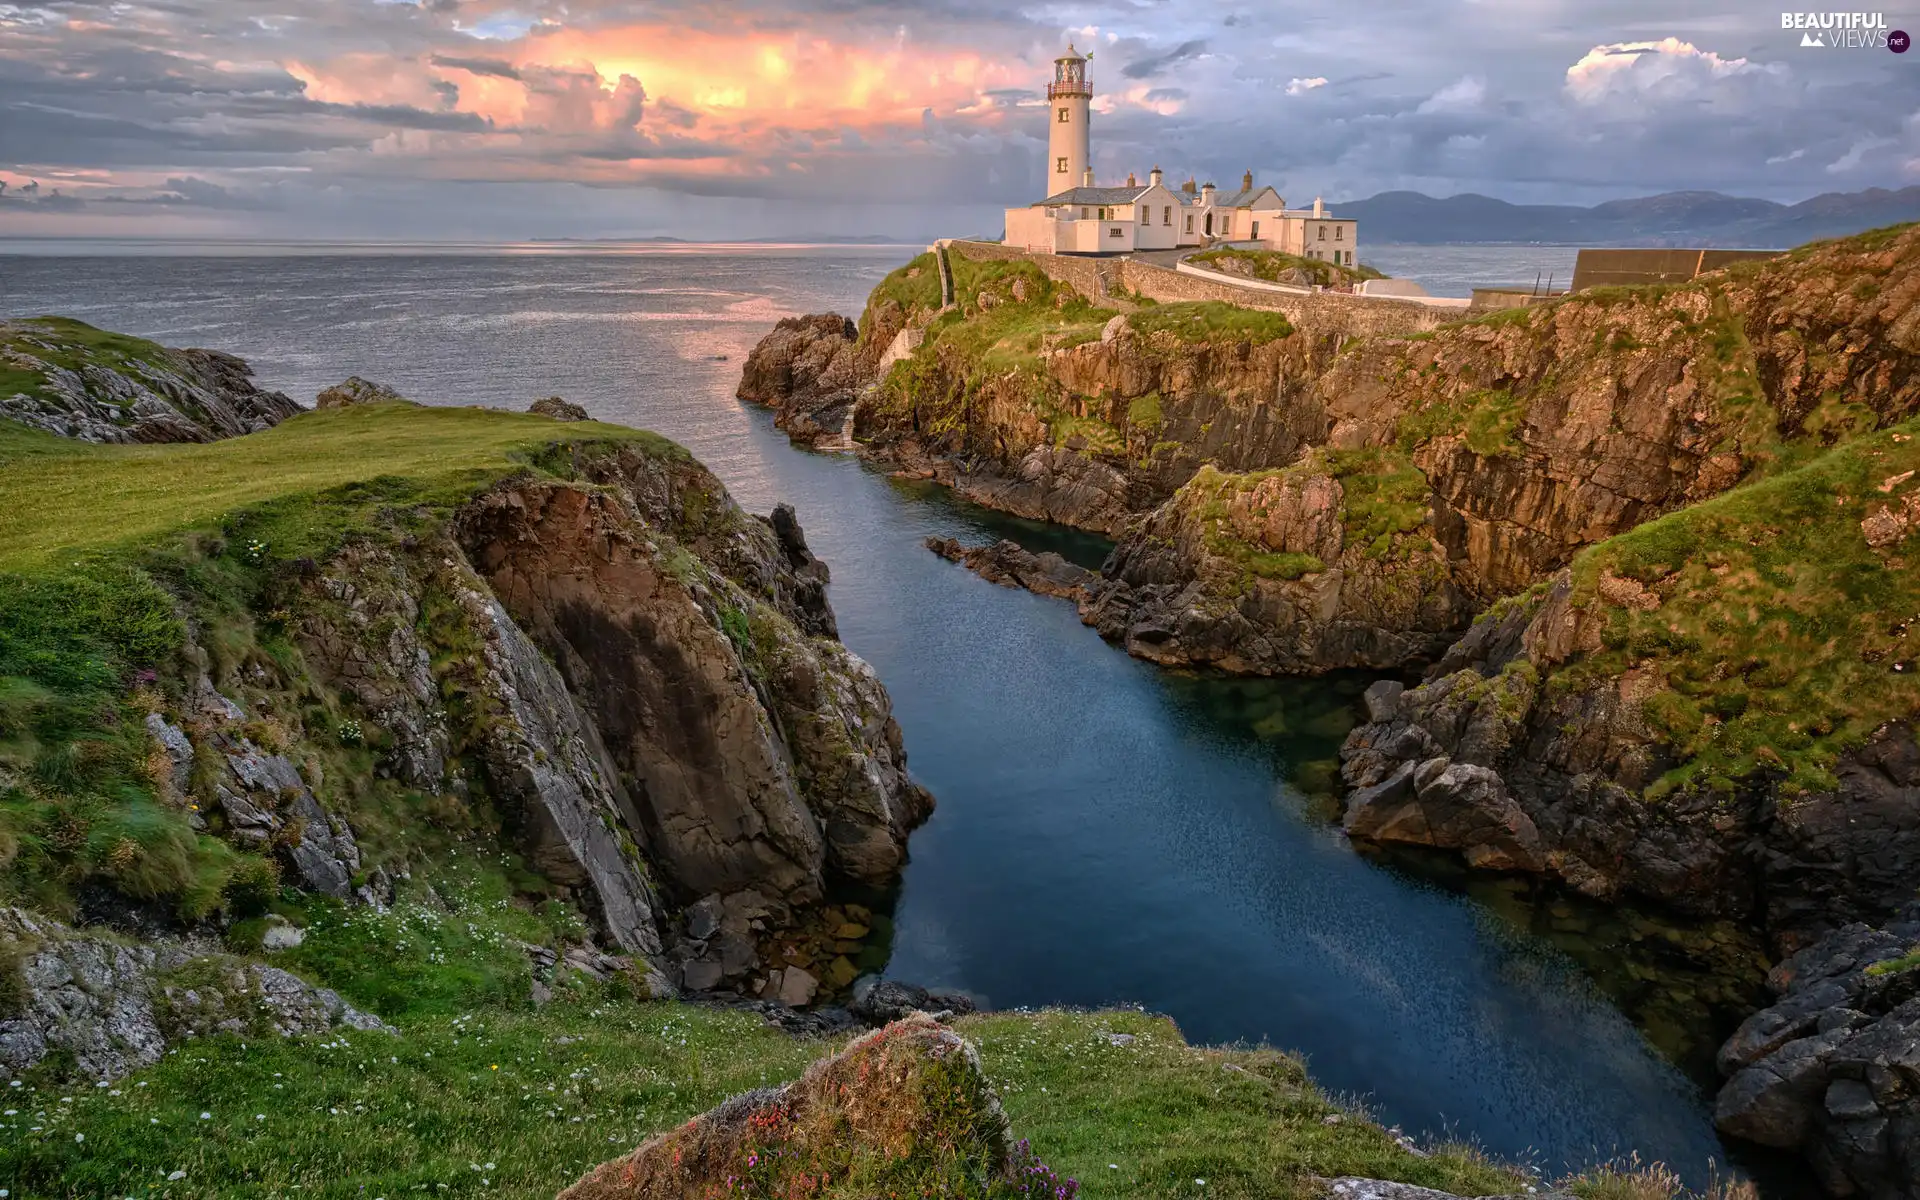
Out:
{"x": 1071, "y": 97}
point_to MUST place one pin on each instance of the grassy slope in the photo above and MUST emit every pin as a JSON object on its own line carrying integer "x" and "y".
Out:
{"x": 1271, "y": 264}
{"x": 1782, "y": 637}
{"x": 60, "y": 497}
{"x": 970, "y": 348}
{"x": 517, "y": 1104}
{"x": 100, "y": 547}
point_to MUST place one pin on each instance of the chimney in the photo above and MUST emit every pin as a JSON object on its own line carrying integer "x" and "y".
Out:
{"x": 1130, "y": 181}
{"x": 1319, "y": 209}
{"x": 1246, "y": 182}
{"x": 1206, "y": 192}
{"x": 1086, "y": 180}
{"x": 1187, "y": 187}
{"x": 1153, "y": 177}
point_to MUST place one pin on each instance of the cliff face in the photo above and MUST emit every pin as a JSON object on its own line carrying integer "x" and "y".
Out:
{"x": 592, "y": 661}
{"x": 1713, "y": 710}
{"x": 648, "y": 684}
{"x": 1028, "y": 397}
{"x": 71, "y": 379}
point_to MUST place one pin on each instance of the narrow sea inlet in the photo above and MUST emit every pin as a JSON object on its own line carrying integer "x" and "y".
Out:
{"x": 1108, "y": 832}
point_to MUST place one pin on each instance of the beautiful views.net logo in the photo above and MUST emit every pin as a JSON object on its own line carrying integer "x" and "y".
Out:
{"x": 1843, "y": 30}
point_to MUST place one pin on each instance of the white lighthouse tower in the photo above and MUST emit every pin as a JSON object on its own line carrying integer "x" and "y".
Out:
{"x": 1068, "y": 161}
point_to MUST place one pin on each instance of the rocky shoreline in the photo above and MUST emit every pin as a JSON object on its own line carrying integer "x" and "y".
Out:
{"x": 1482, "y": 504}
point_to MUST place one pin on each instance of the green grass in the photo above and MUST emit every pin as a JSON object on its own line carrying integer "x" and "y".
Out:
{"x": 1270, "y": 265}
{"x": 913, "y": 285}
{"x": 1486, "y": 419}
{"x": 1895, "y": 966}
{"x": 518, "y": 1104}
{"x": 104, "y": 550}
{"x": 1780, "y": 629}
{"x": 1212, "y": 320}
{"x": 77, "y": 498}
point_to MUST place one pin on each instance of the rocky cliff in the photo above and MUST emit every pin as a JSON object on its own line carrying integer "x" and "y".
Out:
{"x": 1713, "y": 710}
{"x": 576, "y": 649}
{"x": 1289, "y": 504}
{"x": 71, "y": 379}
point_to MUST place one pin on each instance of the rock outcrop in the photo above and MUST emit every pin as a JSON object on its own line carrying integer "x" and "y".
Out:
{"x": 1832, "y": 1068}
{"x": 558, "y": 409}
{"x": 1657, "y": 722}
{"x": 600, "y": 662}
{"x": 1011, "y": 565}
{"x": 905, "y": 1105}
{"x": 1457, "y": 466}
{"x": 355, "y": 390}
{"x": 647, "y": 682}
{"x": 111, "y": 1007}
{"x": 101, "y": 387}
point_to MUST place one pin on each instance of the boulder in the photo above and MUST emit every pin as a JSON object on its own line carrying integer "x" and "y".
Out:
{"x": 558, "y": 409}
{"x": 904, "y": 1108}
{"x": 878, "y": 1001}
{"x": 355, "y": 391}
{"x": 1832, "y": 1068}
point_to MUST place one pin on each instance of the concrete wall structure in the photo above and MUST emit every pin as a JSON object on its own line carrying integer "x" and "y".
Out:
{"x": 1314, "y": 313}
{"x": 1607, "y": 267}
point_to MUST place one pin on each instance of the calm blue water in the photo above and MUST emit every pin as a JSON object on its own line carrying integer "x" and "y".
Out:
{"x": 1107, "y": 832}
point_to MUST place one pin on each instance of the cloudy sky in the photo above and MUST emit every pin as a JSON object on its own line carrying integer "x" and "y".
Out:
{"x": 510, "y": 119}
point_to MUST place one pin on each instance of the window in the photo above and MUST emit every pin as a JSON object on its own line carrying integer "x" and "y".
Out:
{"x": 1189, "y": 222}
{"x": 1226, "y": 225}
{"x": 1339, "y": 233}
{"x": 1322, "y": 228}
{"x": 1065, "y": 116}
{"x": 1103, "y": 214}
{"x": 1085, "y": 212}
{"x": 1166, "y": 215}
{"x": 1146, "y": 218}
{"x": 1060, "y": 166}
{"x": 1256, "y": 231}
{"x": 1117, "y": 231}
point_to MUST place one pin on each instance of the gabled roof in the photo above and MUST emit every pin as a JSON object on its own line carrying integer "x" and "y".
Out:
{"x": 1096, "y": 195}
{"x": 1246, "y": 197}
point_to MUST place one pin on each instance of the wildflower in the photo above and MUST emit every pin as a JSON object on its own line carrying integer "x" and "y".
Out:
{"x": 79, "y": 1137}
{"x": 1201, "y": 1182}
{"x": 176, "y": 1177}
{"x": 206, "y": 1116}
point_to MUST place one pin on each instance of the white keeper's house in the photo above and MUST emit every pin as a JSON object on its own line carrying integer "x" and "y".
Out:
{"x": 1080, "y": 217}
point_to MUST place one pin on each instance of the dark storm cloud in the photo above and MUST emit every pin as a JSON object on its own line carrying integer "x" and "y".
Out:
{"x": 477, "y": 66}
{"x": 442, "y": 101}
{"x": 1147, "y": 68}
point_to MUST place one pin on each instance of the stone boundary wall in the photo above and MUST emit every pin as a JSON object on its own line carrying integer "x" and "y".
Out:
{"x": 1314, "y": 314}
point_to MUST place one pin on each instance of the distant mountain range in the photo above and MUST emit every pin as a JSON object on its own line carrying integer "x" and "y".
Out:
{"x": 1672, "y": 219}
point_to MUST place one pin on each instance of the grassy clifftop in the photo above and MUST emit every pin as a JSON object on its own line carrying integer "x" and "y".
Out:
{"x": 115, "y": 561}
{"x": 499, "y": 1102}
{"x": 58, "y": 497}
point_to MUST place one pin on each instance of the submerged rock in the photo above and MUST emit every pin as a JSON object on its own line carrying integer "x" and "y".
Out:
{"x": 1011, "y": 565}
